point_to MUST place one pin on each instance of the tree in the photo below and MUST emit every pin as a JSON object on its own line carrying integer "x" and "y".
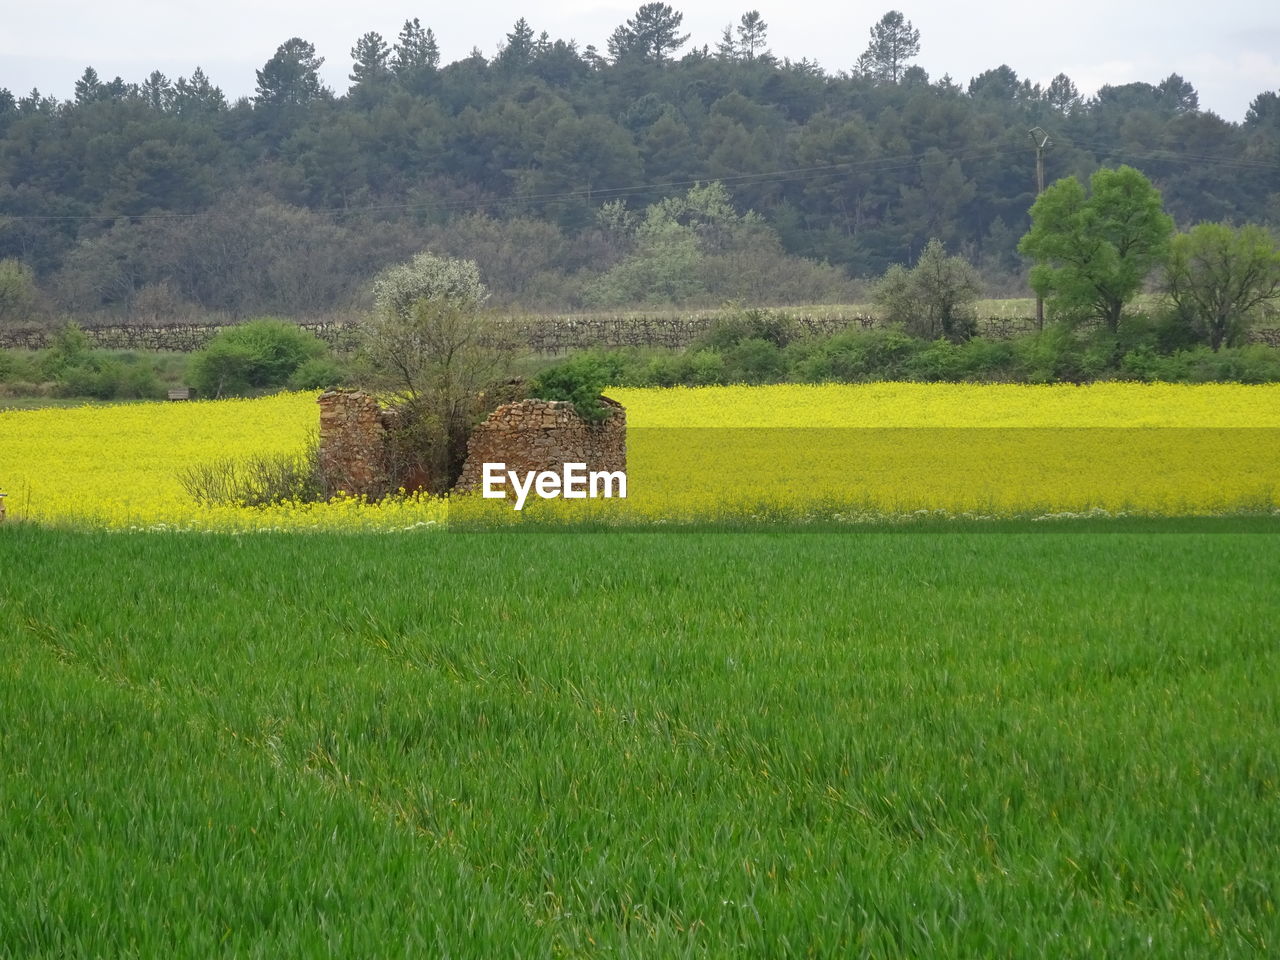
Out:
{"x": 19, "y": 299}
{"x": 292, "y": 76}
{"x": 415, "y": 57}
{"x": 1218, "y": 278}
{"x": 369, "y": 59}
{"x": 1062, "y": 94}
{"x": 726, "y": 46}
{"x": 157, "y": 91}
{"x": 517, "y": 53}
{"x": 935, "y": 298}
{"x": 1094, "y": 252}
{"x": 650, "y": 35}
{"x": 88, "y": 88}
{"x": 415, "y": 49}
{"x": 197, "y": 95}
{"x": 894, "y": 41}
{"x": 429, "y": 347}
{"x": 752, "y": 31}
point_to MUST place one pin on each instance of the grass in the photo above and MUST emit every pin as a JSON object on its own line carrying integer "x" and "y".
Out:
{"x": 639, "y": 745}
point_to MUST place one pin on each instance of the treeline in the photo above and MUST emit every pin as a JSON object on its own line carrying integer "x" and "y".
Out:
{"x": 565, "y": 172}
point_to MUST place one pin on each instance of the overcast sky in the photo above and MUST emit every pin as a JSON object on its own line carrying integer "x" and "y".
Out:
{"x": 1229, "y": 50}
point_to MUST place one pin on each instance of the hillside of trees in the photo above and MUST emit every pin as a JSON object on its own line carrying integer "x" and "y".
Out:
{"x": 657, "y": 170}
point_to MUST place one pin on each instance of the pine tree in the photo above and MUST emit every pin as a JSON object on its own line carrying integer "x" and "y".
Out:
{"x": 157, "y": 91}
{"x": 88, "y": 87}
{"x": 517, "y": 53}
{"x": 751, "y": 35}
{"x": 727, "y": 47}
{"x": 650, "y": 35}
{"x": 292, "y": 76}
{"x": 894, "y": 41}
{"x": 369, "y": 57}
{"x": 415, "y": 49}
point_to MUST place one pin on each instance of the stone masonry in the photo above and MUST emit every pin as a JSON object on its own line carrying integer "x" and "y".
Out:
{"x": 353, "y": 443}
{"x": 525, "y": 435}
{"x": 535, "y": 435}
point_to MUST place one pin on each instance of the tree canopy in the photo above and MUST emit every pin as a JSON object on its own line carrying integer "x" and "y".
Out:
{"x": 287, "y": 200}
{"x": 1094, "y": 252}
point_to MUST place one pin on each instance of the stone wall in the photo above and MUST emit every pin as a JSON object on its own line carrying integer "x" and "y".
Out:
{"x": 535, "y": 435}
{"x": 526, "y": 435}
{"x": 353, "y": 443}
{"x": 545, "y": 335}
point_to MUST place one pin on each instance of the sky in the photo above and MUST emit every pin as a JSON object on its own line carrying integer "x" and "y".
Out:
{"x": 1229, "y": 50}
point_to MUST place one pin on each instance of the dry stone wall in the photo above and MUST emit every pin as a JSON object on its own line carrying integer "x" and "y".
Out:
{"x": 353, "y": 454}
{"x": 526, "y": 435}
{"x": 537, "y": 435}
{"x": 545, "y": 335}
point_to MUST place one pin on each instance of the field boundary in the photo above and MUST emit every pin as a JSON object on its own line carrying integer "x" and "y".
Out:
{"x": 541, "y": 334}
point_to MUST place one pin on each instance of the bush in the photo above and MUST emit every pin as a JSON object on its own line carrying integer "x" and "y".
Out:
{"x": 1050, "y": 356}
{"x": 260, "y": 354}
{"x": 318, "y": 373}
{"x": 77, "y": 370}
{"x": 935, "y": 298}
{"x": 580, "y": 379}
{"x": 755, "y": 360}
{"x": 256, "y": 481}
{"x": 106, "y": 378}
{"x": 735, "y": 325}
{"x": 858, "y": 357}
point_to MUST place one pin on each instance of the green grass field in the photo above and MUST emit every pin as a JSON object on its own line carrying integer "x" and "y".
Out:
{"x": 639, "y": 744}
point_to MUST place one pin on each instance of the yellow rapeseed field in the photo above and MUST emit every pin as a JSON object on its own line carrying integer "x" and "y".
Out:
{"x": 715, "y": 452}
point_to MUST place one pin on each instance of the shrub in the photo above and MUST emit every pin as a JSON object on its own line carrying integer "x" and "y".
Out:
{"x": 705, "y": 368}
{"x": 754, "y": 360}
{"x": 580, "y": 379}
{"x": 70, "y": 348}
{"x": 318, "y": 373}
{"x": 256, "y": 481}
{"x": 735, "y": 325}
{"x": 106, "y": 378}
{"x": 260, "y": 354}
{"x": 855, "y": 357}
{"x": 935, "y": 298}
{"x": 1050, "y": 356}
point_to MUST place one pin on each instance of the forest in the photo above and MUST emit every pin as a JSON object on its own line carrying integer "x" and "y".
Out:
{"x": 657, "y": 171}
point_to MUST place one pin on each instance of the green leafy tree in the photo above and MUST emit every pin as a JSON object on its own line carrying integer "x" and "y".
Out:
{"x": 292, "y": 76}
{"x": 260, "y": 354}
{"x": 894, "y": 41}
{"x": 1094, "y": 252}
{"x": 1219, "y": 277}
{"x": 933, "y": 299}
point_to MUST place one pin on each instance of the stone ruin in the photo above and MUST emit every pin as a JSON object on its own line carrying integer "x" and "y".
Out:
{"x": 535, "y": 435}
{"x": 527, "y": 435}
{"x": 353, "y": 455}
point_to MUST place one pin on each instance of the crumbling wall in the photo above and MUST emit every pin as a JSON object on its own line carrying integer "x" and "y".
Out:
{"x": 535, "y": 435}
{"x": 353, "y": 443}
{"x": 355, "y": 454}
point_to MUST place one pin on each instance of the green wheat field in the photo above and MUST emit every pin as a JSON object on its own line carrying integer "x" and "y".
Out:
{"x": 634, "y": 744}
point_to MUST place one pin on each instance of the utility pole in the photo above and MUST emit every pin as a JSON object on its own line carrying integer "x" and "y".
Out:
{"x": 1040, "y": 140}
